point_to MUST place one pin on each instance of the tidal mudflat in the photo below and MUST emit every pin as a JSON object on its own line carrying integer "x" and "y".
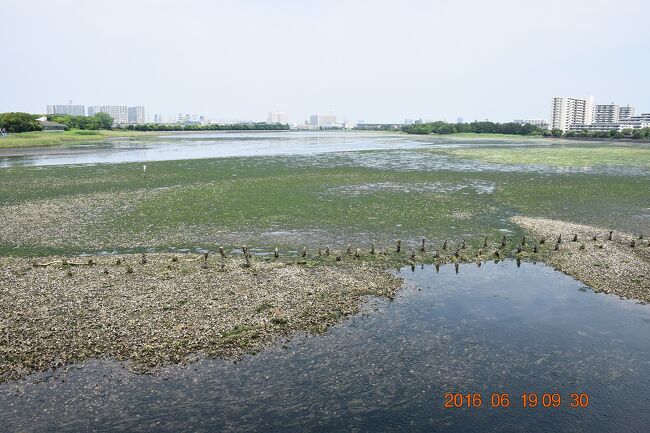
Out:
{"x": 498, "y": 328}
{"x": 159, "y": 309}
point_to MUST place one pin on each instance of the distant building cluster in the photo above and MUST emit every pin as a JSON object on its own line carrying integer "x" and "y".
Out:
{"x": 191, "y": 119}
{"x": 278, "y": 117}
{"x": 121, "y": 114}
{"x": 124, "y": 115}
{"x": 72, "y": 110}
{"x": 579, "y": 114}
{"x": 540, "y": 123}
{"x": 322, "y": 120}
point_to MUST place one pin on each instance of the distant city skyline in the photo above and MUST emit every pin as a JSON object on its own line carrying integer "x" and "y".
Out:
{"x": 382, "y": 61}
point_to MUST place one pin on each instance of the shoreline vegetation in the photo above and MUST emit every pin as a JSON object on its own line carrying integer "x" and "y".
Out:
{"x": 517, "y": 129}
{"x": 24, "y": 129}
{"x": 44, "y": 138}
{"x": 58, "y": 138}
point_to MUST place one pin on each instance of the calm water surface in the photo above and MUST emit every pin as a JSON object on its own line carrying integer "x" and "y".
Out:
{"x": 202, "y": 145}
{"x": 323, "y": 149}
{"x": 497, "y": 328}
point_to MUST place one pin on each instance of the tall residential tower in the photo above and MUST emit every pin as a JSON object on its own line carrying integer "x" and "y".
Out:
{"x": 568, "y": 112}
{"x": 136, "y": 114}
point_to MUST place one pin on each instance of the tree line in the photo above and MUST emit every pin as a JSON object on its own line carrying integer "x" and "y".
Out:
{"x": 474, "y": 127}
{"x": 17, "y": 122}
{"x": 98, "y": 121}
{"x": 487, "y": 127}
{"x": 636, "y": 134}
{"x": 261, "y": 126}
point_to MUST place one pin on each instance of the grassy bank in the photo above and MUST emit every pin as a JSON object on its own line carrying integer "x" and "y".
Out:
{"x": 42, "y": 138}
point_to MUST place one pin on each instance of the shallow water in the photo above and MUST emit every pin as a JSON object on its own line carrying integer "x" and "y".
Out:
{"x": 497, "y": 328}
{"x": 382, "y": 151}
{"x": 202, "y": 145}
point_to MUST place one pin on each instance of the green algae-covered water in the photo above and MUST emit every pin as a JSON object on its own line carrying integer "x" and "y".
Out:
{"x": 292, "y": 189}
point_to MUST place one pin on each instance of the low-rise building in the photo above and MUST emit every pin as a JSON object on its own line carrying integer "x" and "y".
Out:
{"x": 634, "y": 122}
{"x": 48, "y": 125}
{"x": 540, "y": 123}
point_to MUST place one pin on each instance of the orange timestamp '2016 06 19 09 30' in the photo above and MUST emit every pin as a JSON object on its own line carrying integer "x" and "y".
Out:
{"x": 530, "y": 400}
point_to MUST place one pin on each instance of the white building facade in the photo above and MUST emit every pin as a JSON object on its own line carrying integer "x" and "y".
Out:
{"x": 119, "y": 113}
{"x": 136, "y": 114}
{"x": 568, "y": 112}
{"x": 607, "y": 113}
{"x": 625, "y": 112}
{"x": 322, "y": 120}
{"x": 72, "y": 110}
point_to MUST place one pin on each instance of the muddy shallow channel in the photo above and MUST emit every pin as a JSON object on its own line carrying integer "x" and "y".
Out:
{"x": 498, "y": 328}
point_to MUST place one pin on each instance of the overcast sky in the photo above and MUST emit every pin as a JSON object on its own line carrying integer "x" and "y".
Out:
{"x": 380, "y": 61}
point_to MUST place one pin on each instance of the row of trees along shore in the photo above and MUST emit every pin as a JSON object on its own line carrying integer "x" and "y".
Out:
{"x": 518, "y": 129}
{"x": 26, "y": 122}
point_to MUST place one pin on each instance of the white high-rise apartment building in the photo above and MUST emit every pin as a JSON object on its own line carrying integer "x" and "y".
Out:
{"x": 119, "y": 113}
{"x": 568, "y": 112}
{"x": 607, "y": 113}
{"x": 277, "y": 117}
{"x": 136, "y": 114}
{"x": 73, "y": 110}
{"x": 625, "y": 112}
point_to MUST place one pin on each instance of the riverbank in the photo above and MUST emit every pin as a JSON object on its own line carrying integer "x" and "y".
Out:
{"x": 489, "y": 135}
{"x": 620, "y": 266}
{"x": 540, "y": 138}
{"x": 54, "y": 138}
{"x": 166, "y": 308}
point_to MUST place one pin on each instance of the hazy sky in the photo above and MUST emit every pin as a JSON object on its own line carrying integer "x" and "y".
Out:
{"x": 379, "y": 61}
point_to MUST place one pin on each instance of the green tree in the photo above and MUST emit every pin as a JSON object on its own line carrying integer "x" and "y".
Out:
{"x": 105, "y": 120}
{"x": 19, "y": 122}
